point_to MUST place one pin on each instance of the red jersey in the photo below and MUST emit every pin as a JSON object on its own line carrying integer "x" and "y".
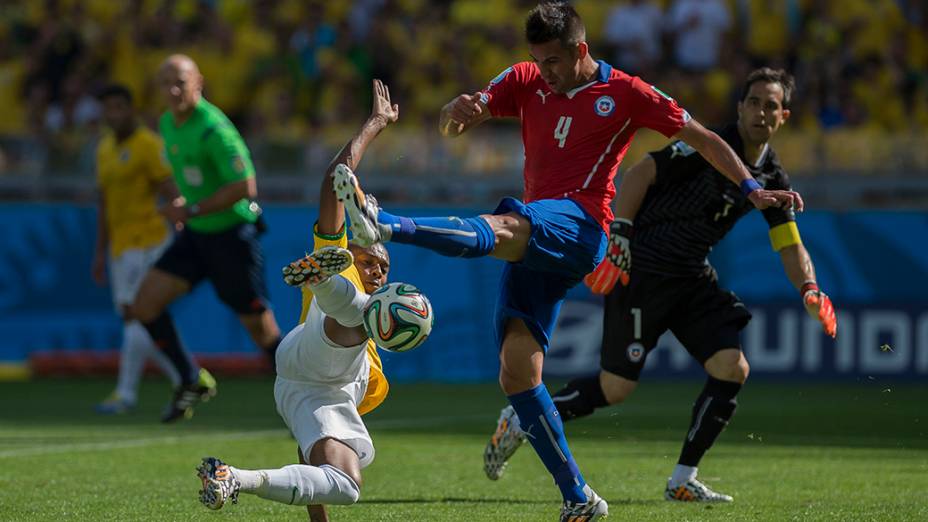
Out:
{"x": 574, "y": 142}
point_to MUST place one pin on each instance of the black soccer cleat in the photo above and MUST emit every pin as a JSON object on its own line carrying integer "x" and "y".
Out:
{"x": 186, "y": 397}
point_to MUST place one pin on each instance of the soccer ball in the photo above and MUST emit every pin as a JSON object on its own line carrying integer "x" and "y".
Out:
{"x": 398, "y": 317}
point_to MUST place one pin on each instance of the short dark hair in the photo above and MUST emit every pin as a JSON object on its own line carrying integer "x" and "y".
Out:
{"x": 377, "y": 250}
{"x": 768, "y": 75}
{"x": 115, "y": 89}
{"x": 554, "y": 21}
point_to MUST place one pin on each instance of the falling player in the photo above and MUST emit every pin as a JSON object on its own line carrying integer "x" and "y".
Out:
{"x": 328, "y": 371}
{"x": 578, "y": 116}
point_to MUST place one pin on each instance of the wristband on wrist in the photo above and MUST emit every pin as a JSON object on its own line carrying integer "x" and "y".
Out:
{"x": 808, "y": 286}
{"x": 749, "y": 185}
{"x": 193, "y": 210}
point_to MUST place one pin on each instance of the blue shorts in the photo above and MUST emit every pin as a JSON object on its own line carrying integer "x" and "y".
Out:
{"x": 565, "y": 245}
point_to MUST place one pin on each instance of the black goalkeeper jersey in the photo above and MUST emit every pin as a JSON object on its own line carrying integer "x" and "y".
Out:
{"x": 691, "y": 207}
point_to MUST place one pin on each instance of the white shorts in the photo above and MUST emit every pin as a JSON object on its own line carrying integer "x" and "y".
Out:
{"x": 128, "y": 269}
{"x": 319, "y": 386}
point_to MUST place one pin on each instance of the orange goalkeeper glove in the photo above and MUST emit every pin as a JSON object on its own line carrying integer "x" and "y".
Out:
{"x": 617, "y": 264}
{"x": 819, "y": 306}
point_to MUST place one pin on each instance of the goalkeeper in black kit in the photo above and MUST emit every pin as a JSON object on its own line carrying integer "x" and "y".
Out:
{"x": 672, "y": 208}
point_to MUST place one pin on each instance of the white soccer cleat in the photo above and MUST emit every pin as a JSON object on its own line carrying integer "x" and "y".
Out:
{"x": 219, "y": 484}
{"x": 503, "y": 444}
{"x": 595, "y": 508}
{"x": 693, "y": 491}
{"x": 362, "y": 209}
{"x": 317, "y": 267}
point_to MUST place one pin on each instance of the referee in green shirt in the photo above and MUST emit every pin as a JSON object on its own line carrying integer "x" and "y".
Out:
{"x": 218, "y": 234}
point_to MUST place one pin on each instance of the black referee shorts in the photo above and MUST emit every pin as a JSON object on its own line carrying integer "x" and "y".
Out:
{"x": 704, "y": 317}
{"x": 232, "y": 260}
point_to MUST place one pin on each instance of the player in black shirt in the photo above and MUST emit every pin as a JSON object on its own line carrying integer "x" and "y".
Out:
{"x": 672, "y": 208}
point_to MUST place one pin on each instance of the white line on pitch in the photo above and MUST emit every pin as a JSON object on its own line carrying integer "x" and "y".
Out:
{"x": 135, "y": 443}
{"x": 173, "y": 439}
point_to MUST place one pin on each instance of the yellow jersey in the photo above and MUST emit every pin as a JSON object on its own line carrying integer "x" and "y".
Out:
{"x": 377, "y": 385}
{"x": 129, "y": 173}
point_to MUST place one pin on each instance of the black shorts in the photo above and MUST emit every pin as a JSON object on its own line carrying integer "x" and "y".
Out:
{"x": 232, "y": 260}
{"x": 704, "y": 317}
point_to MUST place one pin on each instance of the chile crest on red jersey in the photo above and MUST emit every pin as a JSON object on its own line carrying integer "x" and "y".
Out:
{"x": 605, "y": 105}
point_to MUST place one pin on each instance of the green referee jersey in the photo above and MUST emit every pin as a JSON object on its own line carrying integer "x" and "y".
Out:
{"x": 205, "y": 153}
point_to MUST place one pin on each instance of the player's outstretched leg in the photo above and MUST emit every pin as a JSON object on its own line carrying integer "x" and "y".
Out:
{"x": 447, "y": 235}
{"x": 338, "y": 297}
{"x": 296, "y": 484}
{"x": 189, "y": 395}
{"x": 503, "y": 444}
{"x": 318, "y": 266}
{"x": 219, "y": 484}
{"x": 712, "y": 411}
{"x": 362, "y": 208}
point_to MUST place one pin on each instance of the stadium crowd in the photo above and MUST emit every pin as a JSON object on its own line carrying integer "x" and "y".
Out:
{"x": 292, "y": 72}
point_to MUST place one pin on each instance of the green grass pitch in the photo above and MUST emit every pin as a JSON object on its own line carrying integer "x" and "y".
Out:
{"x": 854, "y": 451}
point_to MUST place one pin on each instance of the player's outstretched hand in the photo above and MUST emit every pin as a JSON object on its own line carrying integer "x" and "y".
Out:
{"x": 617, "y": 264}
{"x": 383, "y": 107}
{"x": 776, "y": 198}
{"x": 819, "y": 306}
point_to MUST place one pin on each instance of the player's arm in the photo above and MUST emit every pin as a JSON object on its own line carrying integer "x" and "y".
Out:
{"x": 617, "y": 264}
{"x": 462, "y": 114}
{"x": 801, "y": 273}
{"x": 634, "y": 186}
{"x": 785, "y": 239}
{"x": 98, "y": 267}
{"x": 797, "y": 264}
{"x": 721, "y": 156}
{"x": 383, "y": 113}
{"x": 159, "y": 172}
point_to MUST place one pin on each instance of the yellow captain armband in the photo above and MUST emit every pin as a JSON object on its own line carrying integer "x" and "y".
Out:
{"x": 782, "y": 236}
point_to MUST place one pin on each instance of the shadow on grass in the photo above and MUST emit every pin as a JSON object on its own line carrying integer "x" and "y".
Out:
{"x": 484, "y": 500}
